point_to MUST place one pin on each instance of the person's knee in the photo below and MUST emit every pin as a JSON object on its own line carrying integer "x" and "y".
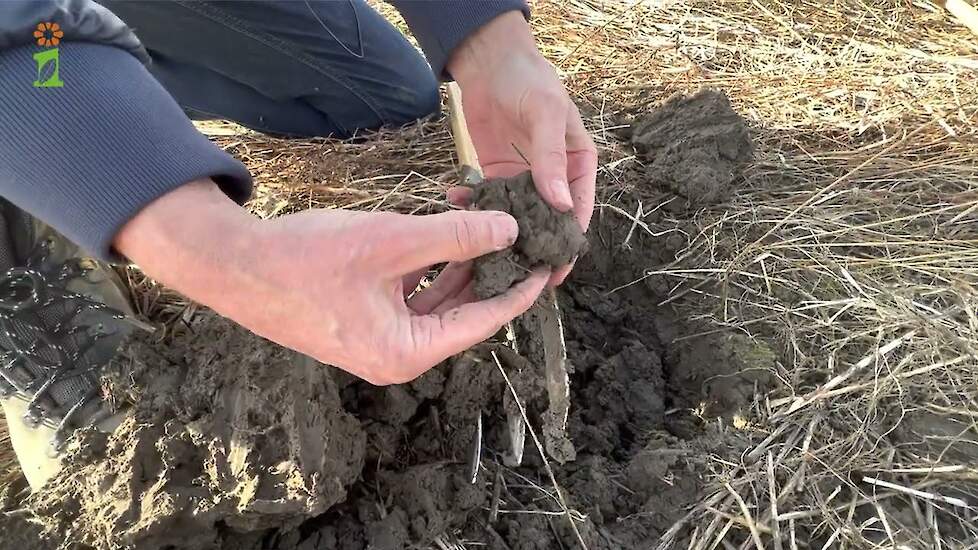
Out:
{"x": 417, "y": 98}
{"x": 429, "y": 98}
{"x": 393, "y": 101}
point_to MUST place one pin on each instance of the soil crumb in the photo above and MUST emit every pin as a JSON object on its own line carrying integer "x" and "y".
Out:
{"x": 547, "y": 236}
{"x": 696, "y": 146}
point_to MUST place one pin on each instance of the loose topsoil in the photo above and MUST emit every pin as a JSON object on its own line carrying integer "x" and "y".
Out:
{"x": 237, "y": 443}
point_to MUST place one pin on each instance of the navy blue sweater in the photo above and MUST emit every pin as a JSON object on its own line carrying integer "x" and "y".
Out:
{"x": 86, "y": 158}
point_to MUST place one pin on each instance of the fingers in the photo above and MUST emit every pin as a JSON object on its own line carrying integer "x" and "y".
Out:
{"x": 459, "y": 196}
{"x": 582, "y": 165}
{"x": 559, "y": 274}
{"x": 454, "y": 236}
{"x": 439, "y": 336}
{"x": 464, "y": 296}
{"x": 547, "y": 120}
{"x": 448, "y": 284}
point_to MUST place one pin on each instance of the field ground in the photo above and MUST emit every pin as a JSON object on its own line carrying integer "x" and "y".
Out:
{"x": 848, "y": 248}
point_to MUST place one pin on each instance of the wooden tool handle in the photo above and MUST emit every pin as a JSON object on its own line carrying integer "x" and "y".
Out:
{"x": 964, "y": 12}
{"x": 467, "y": 156}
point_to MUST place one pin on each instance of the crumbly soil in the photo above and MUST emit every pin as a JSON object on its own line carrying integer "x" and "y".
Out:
{"x": 237, "y": 443}
{"x": 704, "y": 165}
{"x": 547, "y": 236}
{"x": 228, "y": 432}
{"x": 17, "y": 529}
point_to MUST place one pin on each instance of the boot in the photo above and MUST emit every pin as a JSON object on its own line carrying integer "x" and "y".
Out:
{"x": 62, "y": 318}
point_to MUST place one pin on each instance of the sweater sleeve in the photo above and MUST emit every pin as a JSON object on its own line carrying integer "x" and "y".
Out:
{"x": 87, "y": 156}
{"x": 440, "y": 25}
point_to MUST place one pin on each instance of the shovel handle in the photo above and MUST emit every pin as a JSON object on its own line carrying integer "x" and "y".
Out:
{"x": 963, "y": 12}
{"x": 467, "y": 157}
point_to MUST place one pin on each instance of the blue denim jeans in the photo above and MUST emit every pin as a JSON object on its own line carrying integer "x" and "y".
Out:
{"x": 296, "y": 68}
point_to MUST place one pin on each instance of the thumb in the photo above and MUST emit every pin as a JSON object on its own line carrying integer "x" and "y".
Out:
{"x": 454, "y": 236}
{"x": 548, "y": 152}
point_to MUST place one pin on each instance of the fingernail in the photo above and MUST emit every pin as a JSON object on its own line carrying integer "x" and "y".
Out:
{"x": 561, "y": 195}
{"x": 506, "y": 231}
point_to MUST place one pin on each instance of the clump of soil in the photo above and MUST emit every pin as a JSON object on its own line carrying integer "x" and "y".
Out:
{"x": 228, "y": 432}
{"x": 547, "y": 235}
{"x": 696, "y": 146}
{"x": 237, "y": 443}
{"x": 18, "y": 531}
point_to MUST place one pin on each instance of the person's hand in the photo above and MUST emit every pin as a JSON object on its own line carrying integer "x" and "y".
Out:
{"x": 514, "y": 103}
{"x": 333, "y": 284}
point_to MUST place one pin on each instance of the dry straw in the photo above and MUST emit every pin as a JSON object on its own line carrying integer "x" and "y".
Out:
{"x": 852, "y": 246}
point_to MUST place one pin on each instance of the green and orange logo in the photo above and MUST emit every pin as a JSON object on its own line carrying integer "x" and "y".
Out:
{"x": 48, "y": 36}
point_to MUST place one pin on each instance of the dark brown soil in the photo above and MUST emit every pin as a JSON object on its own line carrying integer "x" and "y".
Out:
{"x": 237, "y": 443}
{"x": 228, "y": 432}
{"x": 696, "y": 146}
{"x": 547, "y": 236}
{"x": 16, "y": 530}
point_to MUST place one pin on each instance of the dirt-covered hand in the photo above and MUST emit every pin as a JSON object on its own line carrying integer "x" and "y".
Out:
{"x": 514, "y": 103}
{"x": 334, "y": 284}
